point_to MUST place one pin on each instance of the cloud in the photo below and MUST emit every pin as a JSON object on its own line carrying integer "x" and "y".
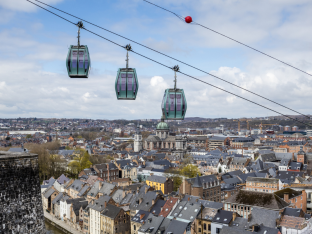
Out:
{"x": 34, "y": 80}
{"x": 23, "y": 5}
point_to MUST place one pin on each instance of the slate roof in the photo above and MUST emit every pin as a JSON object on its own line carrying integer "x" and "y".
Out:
{"x": 158, "y": 179}
{"x": 186, "y": 211}
{"x": 77, "y": 204}
{"x": 176, "y": 227}
{"x": 264, "y": 216}
{"x": 49, "y": 192}
{"x": 152, "y": 224}
{"x": 107, "y": 188}
{"x": 197, "y": 183}
{"x": 243, "y": 177}
{"x": 76, "y": 185}
{"x": 62, "y": 179}
{"x": 118, "y": 196}
{"x": 259, "y": 199}
{"x": 146, "y": 203}
{"x": 57, "y": 198}
{"x": 156, "y": 209}
{"x": 137, "y": 217}
{"x": 223, "y": 216}
{"x": 111, "y": 211}
{"x": 83, "y": 190}
{"x": 288, "y": 176}
{"x": 204, "y": 179}
{"x": 205, "y": 203}
{"x": 293, "y": 212}
{"x": 98, "y": 204}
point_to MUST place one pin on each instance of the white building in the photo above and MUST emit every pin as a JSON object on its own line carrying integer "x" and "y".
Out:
{"x": 138, "y": 140}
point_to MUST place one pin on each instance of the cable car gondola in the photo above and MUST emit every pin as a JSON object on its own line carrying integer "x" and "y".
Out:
{"x": 126, "y": 84}
{"x": 174, "y": 102}
{"x": 78, "y": 61}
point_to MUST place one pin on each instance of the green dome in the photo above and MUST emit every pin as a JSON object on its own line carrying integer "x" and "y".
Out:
{"x": 162, "y": 126}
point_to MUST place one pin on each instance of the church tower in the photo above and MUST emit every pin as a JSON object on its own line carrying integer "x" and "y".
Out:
{"x": 301, "y": 156}
{"x": 138, "y": 141}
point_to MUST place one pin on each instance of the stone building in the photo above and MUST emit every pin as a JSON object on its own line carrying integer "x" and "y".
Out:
{"x": 206, "y": 187}
{"x": 163, "y": 140}
{"x": 114, "y": 220}
{"x": 21, "y": 208}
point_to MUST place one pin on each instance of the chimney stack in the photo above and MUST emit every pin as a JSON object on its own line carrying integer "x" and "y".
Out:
{"x": 286, "y": 197}
{"x": 234, "y": 216}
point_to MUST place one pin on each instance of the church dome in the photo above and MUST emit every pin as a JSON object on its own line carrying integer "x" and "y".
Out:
{"x": 162, "y": 125}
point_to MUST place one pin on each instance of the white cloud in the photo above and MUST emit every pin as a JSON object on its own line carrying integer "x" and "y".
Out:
{"x": 23, "y": 5}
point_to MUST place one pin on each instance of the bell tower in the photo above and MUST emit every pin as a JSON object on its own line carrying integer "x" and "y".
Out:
{"x": 138, "y": 140}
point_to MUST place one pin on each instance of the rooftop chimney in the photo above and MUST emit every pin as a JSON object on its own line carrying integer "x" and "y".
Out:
{"x": 234, "y": 216}
{"x": 286, "y": 197}
{"x": 105, "y": 204}
{"x": 141, "y": 216}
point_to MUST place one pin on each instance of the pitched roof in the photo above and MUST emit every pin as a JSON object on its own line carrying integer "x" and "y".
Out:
{"x": 111, "y": 211}
{"x": 158, "y": 179}
{"x": 62, "y": 179}
{"x": 292, "y": 193}
{"x": 168, "y": 206}
{"x": 176, "y": 227}
{"x": 197, "y": 183}
{"x": 260, "y": 199}
{"x": 264, "y": 216}
{"x": 223, "y": 216}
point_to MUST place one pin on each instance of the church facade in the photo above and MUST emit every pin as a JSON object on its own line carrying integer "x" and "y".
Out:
{"x": 163, "y": 140}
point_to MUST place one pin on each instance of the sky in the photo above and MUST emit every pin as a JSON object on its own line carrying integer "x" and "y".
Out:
{"x": 34, "y": 45}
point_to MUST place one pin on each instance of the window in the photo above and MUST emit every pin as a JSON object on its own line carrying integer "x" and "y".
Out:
{"x": 205, "y": 226}
{"x": 134, "y": 227}
{"x": 130, "y": 81}
{"x": 199, "y": 229}
{"x": 218, "y": 230}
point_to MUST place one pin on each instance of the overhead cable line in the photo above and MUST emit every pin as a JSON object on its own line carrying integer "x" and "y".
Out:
{"x": 175, "y": 58}
{"x": 178, "y": 71}
{"x": 180, "y": 17}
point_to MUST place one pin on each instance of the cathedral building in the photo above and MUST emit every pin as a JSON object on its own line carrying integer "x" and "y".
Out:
{"x": 163, "y": 140}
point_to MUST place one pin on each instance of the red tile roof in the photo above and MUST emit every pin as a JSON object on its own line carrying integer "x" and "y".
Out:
{"x": 168, "y": 206}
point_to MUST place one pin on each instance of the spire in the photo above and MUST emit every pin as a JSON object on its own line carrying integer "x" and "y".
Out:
{"x": 197, "y": 183}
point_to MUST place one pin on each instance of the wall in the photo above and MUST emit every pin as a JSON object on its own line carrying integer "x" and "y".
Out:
{"x": 19, "y": 184}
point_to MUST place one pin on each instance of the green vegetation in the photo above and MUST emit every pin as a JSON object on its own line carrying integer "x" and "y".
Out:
{"x": 50, "y": 163}
{"x": 190, "y": 171}
{"x": 80, "y": 161}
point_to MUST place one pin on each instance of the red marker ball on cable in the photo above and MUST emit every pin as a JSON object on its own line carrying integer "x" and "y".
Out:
{"x": 188, "y": 19}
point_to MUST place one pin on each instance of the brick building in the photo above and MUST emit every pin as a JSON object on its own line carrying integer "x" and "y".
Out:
{"x": 107, "y": 171}
{"x": 297, "y": 199}
{"x": 207, "y": 187}
{"x": 268, "y": 185}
